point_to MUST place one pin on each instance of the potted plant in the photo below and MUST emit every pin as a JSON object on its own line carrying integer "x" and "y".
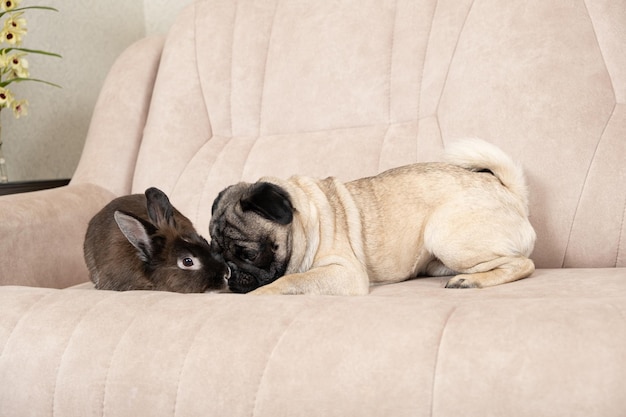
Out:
{"x": 13, "y": 62}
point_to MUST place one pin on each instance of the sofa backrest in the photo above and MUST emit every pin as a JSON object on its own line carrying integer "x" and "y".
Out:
{"x": 352, "y": 87}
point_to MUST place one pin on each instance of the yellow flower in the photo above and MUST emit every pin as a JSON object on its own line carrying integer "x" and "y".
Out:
{"x": 18, "y": 65}
{"x": 20, "y": 108}
{"x": 8, "y": 5}
{"x": 6, "y": 97}
{"x": 10, "y": 37}
{"x": 14, "y": 29}
{"x": 16, "y": 22}
{"x": 13, "y": 63}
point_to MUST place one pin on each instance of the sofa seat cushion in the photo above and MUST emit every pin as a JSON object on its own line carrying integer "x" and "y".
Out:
{"x": 552, "y": 341}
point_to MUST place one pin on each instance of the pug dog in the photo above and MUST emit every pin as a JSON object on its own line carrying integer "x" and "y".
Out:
{"x": 466, "y": 217}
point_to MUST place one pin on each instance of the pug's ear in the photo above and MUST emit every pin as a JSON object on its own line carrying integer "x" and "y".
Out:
{"x": 269, "y": 201}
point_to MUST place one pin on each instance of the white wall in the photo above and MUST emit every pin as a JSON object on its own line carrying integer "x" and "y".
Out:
{"x": 160, "y": 14}
{"x": 89, "y": 34}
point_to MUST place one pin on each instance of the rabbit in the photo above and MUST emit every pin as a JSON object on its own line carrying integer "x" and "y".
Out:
{"x": 141, "y": 242}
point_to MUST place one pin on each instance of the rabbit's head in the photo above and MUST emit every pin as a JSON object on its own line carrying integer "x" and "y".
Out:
{"x": 174, "y": 256}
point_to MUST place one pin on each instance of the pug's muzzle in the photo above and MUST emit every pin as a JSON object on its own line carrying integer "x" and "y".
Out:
{"x": 246, "y": 278}
{"x": 241, "y": 282}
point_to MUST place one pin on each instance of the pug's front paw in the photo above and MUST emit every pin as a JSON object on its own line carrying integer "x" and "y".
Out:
{"x": 265, "y": 290}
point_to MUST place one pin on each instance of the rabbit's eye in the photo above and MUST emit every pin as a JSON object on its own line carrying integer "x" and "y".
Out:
{"x": 188, "y": 262}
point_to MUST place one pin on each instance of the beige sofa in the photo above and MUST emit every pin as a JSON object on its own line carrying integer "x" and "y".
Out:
{"x": 241, "y": 89}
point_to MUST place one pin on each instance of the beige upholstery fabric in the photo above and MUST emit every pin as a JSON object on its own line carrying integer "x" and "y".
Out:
{"x": 241, "y": 89}
{"x": 551, "y": 345}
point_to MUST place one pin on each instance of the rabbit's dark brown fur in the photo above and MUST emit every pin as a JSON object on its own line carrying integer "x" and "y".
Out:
{"x": 141, "y": 242}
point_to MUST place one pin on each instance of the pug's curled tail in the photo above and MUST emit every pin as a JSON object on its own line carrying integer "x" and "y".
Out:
{"x": 479, "y": 155}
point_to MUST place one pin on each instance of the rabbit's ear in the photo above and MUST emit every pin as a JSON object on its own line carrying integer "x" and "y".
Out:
{"x": 136, "y": 233}
{"x": 160, "y": 209}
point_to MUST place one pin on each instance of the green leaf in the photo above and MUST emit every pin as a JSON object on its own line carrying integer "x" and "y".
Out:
{"x": 29, "y": 7}
{"x": 19, "y": 80}
{"x": 30, "y": 51}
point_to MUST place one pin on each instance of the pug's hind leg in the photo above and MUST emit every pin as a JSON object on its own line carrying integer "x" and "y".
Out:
{"x": 436, "y": 268}
{"x": 497, "y": 271}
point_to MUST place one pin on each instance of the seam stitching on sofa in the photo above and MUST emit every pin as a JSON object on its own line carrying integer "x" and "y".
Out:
{"x": 420, "y": 83}
{"x": 209, "y": 175}
{"x": 270, "y": 356}
{"x": 245, "y": 166}
{"x": 262, "y": 97}
{"x": 584, "y": 186}
{"x": 232, "y": 65}
{"x": 390, "y": 68}
{"x": 187, "y": 164}
{"x": 595, "y": 34}
{"x": 21, "y": 319}
{"x": 206, "y": 107}
{"x": 196, "y": 154}
{"x": 426, "y": 49}
{"x": 341, "y": 128}
{"x": 382, "y": 147}
{"x": 439, "y": 131}
{"x": 434, "y": 380}
{"x": 106, "y": 378}
{"x": 119, "y": 341}
{"x": 621, "y": 229}
{"x": 447, "y": 76}
{"x": 267, "y": 57}
{"x": 200, "y": 80}
{"x": 389, "y": 85}
{"x": 608, "y": 71}
{"x": 184, "y": 363}
{"x": 69, "y": 340}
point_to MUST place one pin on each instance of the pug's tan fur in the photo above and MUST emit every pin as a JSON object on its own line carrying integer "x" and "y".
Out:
{"x": 423, "y": 219}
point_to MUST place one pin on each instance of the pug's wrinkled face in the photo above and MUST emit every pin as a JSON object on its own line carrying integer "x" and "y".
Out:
{"x": 251, "y": 228}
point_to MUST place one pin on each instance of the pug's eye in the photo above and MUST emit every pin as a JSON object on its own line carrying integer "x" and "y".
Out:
{"x": 247, "y": 254}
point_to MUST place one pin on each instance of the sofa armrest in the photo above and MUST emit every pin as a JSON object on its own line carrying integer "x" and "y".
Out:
{"x": 42, "y": 232}
{"x": 42, "y": 235}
